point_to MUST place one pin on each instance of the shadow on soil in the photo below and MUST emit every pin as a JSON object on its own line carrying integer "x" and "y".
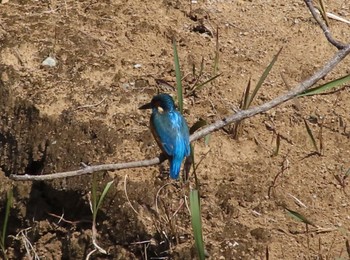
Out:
{"x": 55, "y": 216}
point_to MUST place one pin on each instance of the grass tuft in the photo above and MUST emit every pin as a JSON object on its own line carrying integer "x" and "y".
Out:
{"x": 178, "y": 78}
{"x": 95, "y": 204}
{"x": 263, "y": 77}
{"x": 9, "y": 201}
{"x": 247, "y": 99}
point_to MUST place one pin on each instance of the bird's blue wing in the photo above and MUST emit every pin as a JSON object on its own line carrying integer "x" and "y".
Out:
{"x": 171, "y": 132}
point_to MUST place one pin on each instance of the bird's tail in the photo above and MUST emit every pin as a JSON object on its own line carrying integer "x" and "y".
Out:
{"x": 175, "y": 166}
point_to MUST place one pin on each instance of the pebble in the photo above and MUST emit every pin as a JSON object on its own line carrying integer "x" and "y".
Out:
{"x": 49, "y": 62}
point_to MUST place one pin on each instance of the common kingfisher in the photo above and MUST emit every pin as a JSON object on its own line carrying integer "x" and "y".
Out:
{"x": 170, "y": 130}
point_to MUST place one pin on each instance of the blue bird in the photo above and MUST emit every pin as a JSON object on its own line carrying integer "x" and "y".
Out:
{"x": 170, "y": 130}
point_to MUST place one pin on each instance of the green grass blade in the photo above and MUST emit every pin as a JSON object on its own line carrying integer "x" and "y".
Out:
{"x": 202, "y": 85}
{"x": 263, "y": 77}
{"x": 104, "y": 193}
{"x": 278, "y": 143}
{"x": 217, "y": 52}
{"x": 245, "y": 99}
{"x": 7, "y": 214}
{"x": 201, "y": 68}
{"x": 309, "y": 132}
{"x": 299, "y": 217}
{"x": 347, "y": 173}
{"x": 207, "y": 140}
{"x": 327, "y": 86}
{"x": 197, "y": 222}
{"x": 3, "y": 250}
{"x": 194, "y": 165}
{"x": 178, "y": 78}
{"x": 94, "y": 196}
{"x": 189, "y": 161}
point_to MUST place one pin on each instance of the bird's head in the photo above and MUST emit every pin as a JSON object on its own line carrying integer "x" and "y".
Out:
{"x": 163, "y": 101}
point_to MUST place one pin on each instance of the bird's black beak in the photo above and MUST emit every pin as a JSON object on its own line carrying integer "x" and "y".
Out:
{"x": 146, "y": 106}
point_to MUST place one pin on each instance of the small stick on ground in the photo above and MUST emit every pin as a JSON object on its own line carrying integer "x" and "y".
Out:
{"x": 88, "y": 106}
{"x": 127, "y": 197}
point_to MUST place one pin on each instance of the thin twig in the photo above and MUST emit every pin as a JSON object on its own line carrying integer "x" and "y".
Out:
{"x": 66, "y": 8}
{"x": 298, "y": 201}
{"x": 23, "y": 236}
{"x": 62, "y": 219}
{"x": 187, "y": 206}
{"x": 126, "y": 195}
{"x": 158, "y": 192}
{"x": 335, "y": 17}
{"x": 93, "y": 105}
{"x": 176, "y": 211}
{"x": 90, "y": 254}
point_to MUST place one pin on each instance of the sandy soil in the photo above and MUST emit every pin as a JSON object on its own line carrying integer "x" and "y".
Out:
{"x": 109, "y": 55}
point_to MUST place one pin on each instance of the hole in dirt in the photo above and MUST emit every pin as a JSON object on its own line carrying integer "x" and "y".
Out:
{"x": 46, "y": 202}
{"x": 36, "y": 167}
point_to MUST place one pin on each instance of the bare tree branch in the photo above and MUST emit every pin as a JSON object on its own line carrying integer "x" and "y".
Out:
{"x": 343, "y": 51}
{"x": 243, "y": 114}
{"x": 339, "y": 45}
{"x": 87, "y": 170}
{"x": 240, "y": 115}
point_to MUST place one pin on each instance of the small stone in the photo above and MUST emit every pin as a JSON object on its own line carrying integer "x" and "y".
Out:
{"x": 49, "y": 62}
